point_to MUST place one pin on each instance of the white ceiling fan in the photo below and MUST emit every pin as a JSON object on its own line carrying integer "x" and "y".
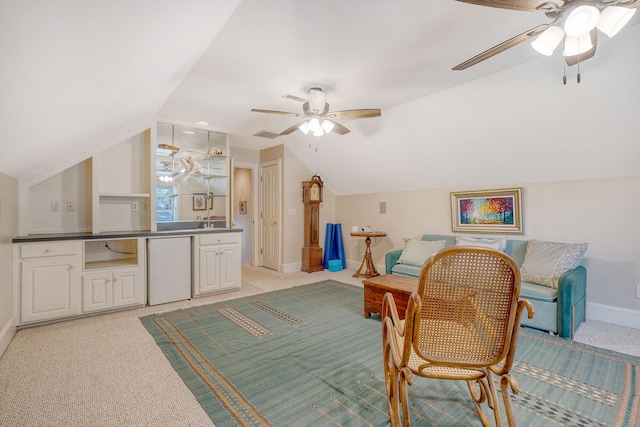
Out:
{"x": 574, "y": 21}
{"x": 318, "y": 119}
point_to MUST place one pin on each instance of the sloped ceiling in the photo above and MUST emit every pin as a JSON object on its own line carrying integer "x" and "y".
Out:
{"x": 81, "y": 71}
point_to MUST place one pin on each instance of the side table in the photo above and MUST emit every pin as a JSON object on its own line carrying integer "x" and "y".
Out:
{"x": 371, "y": 268}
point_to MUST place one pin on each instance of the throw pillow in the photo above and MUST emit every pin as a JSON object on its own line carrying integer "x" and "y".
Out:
{"x": 416, "y": 252}
{"x": 545, "y": 262}
{"x": 498, "y": 242}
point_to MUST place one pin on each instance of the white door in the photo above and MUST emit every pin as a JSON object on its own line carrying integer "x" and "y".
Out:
{"x": 229, "y": 265}
{"x": 97, "y": 291}
{"x": 128, "y": 287}
{"x": 50, "y": 288}
{"x": 269, "y": 218}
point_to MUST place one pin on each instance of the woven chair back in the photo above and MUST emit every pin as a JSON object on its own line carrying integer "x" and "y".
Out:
{"x": 469, "y": 300}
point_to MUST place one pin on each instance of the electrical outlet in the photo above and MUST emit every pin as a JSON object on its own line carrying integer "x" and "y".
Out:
{"x": 638, "y": 290}
{"x": 292, "y": 211}
{"x": 135, "y": 206}
{"x": 55, "y": 206}
{"x": 71, "y": 206}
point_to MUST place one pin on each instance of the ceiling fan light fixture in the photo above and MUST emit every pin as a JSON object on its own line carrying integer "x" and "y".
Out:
{"x": 318, "y": 132}
{"x": 581, "y": 20}
{"x": 548, "y": 41}
{"x": 327, "y": 126}
{"x": 613, "y": 19}
{"x": 304, "y": 127}
{"x": 314, "y": 124}
{"x": 577, "y": 45}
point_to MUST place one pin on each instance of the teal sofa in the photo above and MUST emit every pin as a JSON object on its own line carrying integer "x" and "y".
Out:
{"x": 559, "y": 311}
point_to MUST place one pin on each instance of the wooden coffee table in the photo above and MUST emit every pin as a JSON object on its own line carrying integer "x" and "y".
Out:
{"x": 375, "y": 288}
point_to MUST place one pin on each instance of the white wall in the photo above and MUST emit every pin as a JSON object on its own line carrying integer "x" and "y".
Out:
{"x": 72, "y": 185}
{"x": 8, "y": 230}
{"x": 601, "y": 212}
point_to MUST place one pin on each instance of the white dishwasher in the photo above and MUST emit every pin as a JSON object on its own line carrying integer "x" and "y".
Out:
{"x": 168, "y": 269}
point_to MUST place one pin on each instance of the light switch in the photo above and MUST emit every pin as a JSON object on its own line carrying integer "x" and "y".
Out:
{"x": 293, "y": 211}
{"x": 383, "y": 207}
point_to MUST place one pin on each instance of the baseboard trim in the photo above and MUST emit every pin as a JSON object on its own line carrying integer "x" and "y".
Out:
{"x": 6, "y": 334}
{"x": 616, "y": 315}
{"x": 291, "y": 267}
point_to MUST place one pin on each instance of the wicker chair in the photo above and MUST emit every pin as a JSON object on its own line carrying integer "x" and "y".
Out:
{"x": 462, "y": 324}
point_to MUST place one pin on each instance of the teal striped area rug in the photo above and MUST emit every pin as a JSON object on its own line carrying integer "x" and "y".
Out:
{"x": 307, "y": 356}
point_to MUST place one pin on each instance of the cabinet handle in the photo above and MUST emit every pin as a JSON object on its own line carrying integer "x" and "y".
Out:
{"x": 46, "y": 251}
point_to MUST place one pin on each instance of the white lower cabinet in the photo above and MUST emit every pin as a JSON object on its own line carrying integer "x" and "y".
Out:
{"x": 217, "y": 266}
{"x": 114, "y": 274}
{"x": 49, "y": 280}
{"x": 64, "y": 279}
{"x": 104, "y": 290}
{"x": 49, "y": 288}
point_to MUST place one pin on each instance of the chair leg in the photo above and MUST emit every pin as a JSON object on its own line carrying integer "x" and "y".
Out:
{"x": 406, "y": 379}
{"x": 480, "y": 391}
{"x": 509, "y": 384}
{"x": 392, "y": 384}
{"x": 391, "y": 381}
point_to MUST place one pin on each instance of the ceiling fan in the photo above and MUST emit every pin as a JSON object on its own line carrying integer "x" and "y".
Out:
{"x": 575, "y": 21}
{"x": 318, "y": 119}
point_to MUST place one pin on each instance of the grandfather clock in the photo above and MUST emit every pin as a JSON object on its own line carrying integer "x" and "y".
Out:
{"x": 312, "y": 252}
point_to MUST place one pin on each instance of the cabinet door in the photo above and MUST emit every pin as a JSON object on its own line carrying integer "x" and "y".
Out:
{"x": 229, "y": 266}
{"x": 49, "y": 288}
{"x": 97, "y": 291}
{"x": 128, "y": 287}
{"x": 209, "y": 270}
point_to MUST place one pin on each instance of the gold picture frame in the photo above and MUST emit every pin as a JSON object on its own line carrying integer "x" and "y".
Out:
{"x": 200, "y": 202}
{"x": 487, "y": 211}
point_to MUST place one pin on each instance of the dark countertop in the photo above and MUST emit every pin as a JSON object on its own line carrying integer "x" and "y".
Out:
{"x": 121, "y": 234}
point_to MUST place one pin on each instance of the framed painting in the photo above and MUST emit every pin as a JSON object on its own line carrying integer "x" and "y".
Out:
{"x": 199, "y": 202}
{"x": 243, "y": 206}
{"x": 487, "y": 211}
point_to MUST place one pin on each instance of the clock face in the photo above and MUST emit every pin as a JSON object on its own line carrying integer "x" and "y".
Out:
{"x": 315, "y": 192}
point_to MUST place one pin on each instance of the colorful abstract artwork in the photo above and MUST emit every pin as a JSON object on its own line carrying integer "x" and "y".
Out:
{"x": 487, "y": 211}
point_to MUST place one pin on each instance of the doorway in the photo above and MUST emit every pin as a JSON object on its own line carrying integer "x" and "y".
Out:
{"x": 245, "y": 185}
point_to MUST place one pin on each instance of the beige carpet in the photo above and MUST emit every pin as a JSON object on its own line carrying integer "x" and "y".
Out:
{"x": 106, "y": 370}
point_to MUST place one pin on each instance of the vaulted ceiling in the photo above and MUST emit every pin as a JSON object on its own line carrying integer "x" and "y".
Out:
{"x": 76, "y": 72}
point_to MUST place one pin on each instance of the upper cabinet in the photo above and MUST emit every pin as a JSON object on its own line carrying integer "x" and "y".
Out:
{"x": 193, "y": 184}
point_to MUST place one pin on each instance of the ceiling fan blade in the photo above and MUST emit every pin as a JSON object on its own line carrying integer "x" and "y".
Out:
{"x": 295, "y": 98}
{"x": 501, "y": 47}
{"x": 574, "y": 59}
{"x": 339, "y": 129}
{"x": 284, "y": 113}
{"x": 292, "y": 129}
{"x": 630, "y": 4}
{"x": 354, "y": 114}
{"x": 523, "y": 5}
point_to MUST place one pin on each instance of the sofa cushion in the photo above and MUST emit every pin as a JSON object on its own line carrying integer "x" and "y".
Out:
{"x": 416, "y": 252}
{"x": 498, "y": 243}
{"x": 545, "y": 262}
{"x": 535, "y": 292}
{"x": 406, "y": 270}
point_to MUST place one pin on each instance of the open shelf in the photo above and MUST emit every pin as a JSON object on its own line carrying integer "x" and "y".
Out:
{"x": 111, "y": 253}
